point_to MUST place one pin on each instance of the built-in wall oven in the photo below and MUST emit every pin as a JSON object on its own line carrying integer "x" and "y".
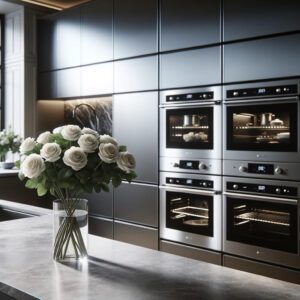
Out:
{"x": 190, "y": 130}
{"x": 261, "y": 220}
{"x": 191, "y": 209}
{"x": 261, "y": 125}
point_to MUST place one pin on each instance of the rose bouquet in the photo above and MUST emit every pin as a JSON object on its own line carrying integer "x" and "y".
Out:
{"x": 68, "y": 162}
{"x": 9, "y": 141}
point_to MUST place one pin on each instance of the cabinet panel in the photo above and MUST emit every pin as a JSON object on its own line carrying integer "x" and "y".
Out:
{"x": 136, "y": 74}
{"x": 97, "y": 79}
{"x": 47, "y": 85}
{"x": 191, "y": 68}
{"x": 262, "y": 59}
{"x": 135, "y": 234}
{"x": 67, "y": 46}
{"x": 68, "y": 83}
{"x": 250, "y": 18}
{"x": 136, "y": 125}
{"x": 136, "y": 203}
{"x": 135, "y": 27}
{"x": 96, "y": 32}
{"x": 189, "y": 23}
{"x": 101, "y": 227}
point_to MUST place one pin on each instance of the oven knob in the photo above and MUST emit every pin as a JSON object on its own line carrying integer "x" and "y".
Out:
{"x": 204, "y": 184}
{"x": 243, "y": 169}
{"x": 278, "y": 191}
{"x": 202, "y": 166}
{"x": 235, "y": 186}
{"x": 278, "y": 171}
{"x": 235, "y": 94}
{"x": 204, "y": 96}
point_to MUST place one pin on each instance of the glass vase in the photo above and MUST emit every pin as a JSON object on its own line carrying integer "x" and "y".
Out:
{"x": 70, "y": 229}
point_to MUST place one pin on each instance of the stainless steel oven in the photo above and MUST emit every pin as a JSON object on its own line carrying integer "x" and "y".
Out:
{"x": 190, "y": 130}
{"x": 261, "y": 124}
{"x": 261, "y": 220}
{"x": 190, "y": 209}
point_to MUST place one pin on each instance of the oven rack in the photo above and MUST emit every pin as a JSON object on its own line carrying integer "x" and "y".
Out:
{"x": 189, "y": 127}
{"x": 192, "y": 211}
{"x": 263, "y": 127}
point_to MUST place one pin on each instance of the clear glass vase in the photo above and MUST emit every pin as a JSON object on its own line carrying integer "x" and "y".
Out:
{"x": 70, "y": 229}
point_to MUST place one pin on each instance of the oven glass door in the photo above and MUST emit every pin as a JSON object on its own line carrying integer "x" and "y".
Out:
{"x": 262, "y": 127}
{"x": 261, "y": 223}
{"x": 189, "y": 128}
{"x": 189, "y": 212}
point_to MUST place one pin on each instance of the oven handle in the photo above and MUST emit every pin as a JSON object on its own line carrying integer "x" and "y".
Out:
{"x": 174, "y": 105}
{"x": 263, "y": 100}
{"x": 258, "y": 197}
{"x": 192, "y": 191}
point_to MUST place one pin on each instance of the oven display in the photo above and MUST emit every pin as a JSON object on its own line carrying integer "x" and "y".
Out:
{"x": 190, "y": 97}
{"x": 261, "y": 169}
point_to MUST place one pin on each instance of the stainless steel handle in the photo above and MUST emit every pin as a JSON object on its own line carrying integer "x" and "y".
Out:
{"x": 189, "y": 190}
{"x": 259, "y": 197}
{"x": 175, "y": 105}
{"x": 263, "y": 100}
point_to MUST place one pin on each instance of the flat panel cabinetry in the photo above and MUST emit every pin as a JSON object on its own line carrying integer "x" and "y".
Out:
{"x": 47, "y": 85}
{"x": 96, "y": 32}
{"x": 262, "y": 59}
{"x": 135, "y": 27}
{"x": 189, "y": 23}
{"x": 191, "y": 68}
{"x": 136, "y": 125}
{"x": 137, "y": 203}
{"x": 251, "y": 18}
{"x": 68, "y": 83}
{"x": 101, "y": 227}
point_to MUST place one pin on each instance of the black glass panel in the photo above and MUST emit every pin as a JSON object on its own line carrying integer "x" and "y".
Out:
{"x": 270, "y": 127}
{"x": 190, "y": 128}
{"x": 190, "y": 213}
{"x": 265, "y": 224}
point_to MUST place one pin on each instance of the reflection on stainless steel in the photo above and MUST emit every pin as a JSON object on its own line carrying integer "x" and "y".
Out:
{"x": 192, "y": 211}
{"x": 198, "y": 222}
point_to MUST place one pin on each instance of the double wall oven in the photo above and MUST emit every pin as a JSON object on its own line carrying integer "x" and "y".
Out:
{"x": 191, "y": 136}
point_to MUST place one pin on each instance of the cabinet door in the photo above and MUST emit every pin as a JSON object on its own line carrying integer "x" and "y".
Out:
{"x": 137, "y": 74}
{"x": 136, "y": 125}
{"x": 262, "y": 59}
{"x": 191, "y": 68}
{"x": 135, "y": 27}
{"x": 136, "y": 203}
{"x": 101, "y": 227}
{"x": 47, "y": 85}
{"x": 189, "y": 23}
{"x": 68, "y": 83}
{"x": 67, "y": 46}
{"x": 96, "y": 32}
{"x": 250, "y": 18}
{"x": 97, "y": 79}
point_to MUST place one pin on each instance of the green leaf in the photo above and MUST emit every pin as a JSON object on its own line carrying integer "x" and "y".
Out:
{"x": 122, "y": 148}
{"x": 52, "y": 191}
{"x": 104, "y": 187}
{"x": 18, "y": 164}
{"x": 64, "y": 173}
{"x": 31, "y": 184}
{"x": 41, "y": 190}
{"x": 97, "y": 188}
{"x": 116, "y": 181}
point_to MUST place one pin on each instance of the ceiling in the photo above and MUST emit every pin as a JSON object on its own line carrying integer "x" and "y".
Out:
{"x": 7, "y": 7}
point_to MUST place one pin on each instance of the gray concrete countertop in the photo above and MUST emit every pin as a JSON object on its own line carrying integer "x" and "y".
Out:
{"x": 121, "y": 271}
{"x": 29, "y": 209}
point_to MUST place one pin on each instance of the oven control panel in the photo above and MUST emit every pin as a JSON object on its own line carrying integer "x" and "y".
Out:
{"x": 190, "y": 97}
{"x": 190, "y": 182}
{"x": 262, "y": 189}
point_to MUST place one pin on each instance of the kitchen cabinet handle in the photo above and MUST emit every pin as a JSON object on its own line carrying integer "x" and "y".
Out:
{"x": 261, "y": 100}
{"x": 190, "y": 190}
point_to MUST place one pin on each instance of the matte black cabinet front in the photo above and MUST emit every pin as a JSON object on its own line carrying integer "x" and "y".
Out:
{"x": 101, "y": 227}
{"x": 251, "y": 18}
{"x": 47, "y": 85}
{"x": 262, "y": 59}
{"x": 96, "y": 32}
{"x": 136, "y": 203}
{"x": 189, "y": 23}
{"x": 135, "y": 27}
{"x": 136, "y": 125}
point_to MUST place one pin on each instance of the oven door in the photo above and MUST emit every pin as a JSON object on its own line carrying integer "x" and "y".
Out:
{"x": 191, "y": 217}
{"x": 191, "y": 131}
{"x": 263, "y": 130}
{"x": 264, "y": 228}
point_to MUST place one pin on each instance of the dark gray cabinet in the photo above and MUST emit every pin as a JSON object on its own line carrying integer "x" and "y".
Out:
{"x": 96, "y": 32}
{"x": 251, "y": 18}
{"x": 67, "y": 45}
{"x": 101, "y": 227}
{"x": 262, "y": 59}
{"x": 136, "y": 234}
{"x": 136, "y": 125}
{"x": 189, "y": 23}
{"x": 136, "y": 74}
{"x": 136, "y": 203}
{"x": 191, "y": 68}
{"x": 68, "y": 83}
{"x": 135, "y": 27}
{"x": 47, "y": 85}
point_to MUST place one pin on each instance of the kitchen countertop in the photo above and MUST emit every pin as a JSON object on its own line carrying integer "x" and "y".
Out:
{"x": 121, "y": 271}
{"x": 8, "y": 172}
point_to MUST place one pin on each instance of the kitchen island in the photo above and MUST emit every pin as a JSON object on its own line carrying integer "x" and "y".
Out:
{"x": 118, "y": 271}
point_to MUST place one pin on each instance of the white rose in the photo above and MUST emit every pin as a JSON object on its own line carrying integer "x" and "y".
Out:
{"x": 88, "y": 143}
{"x": 27, "y": 145}
{"x": 108, "y": 152}
{"x": 57, "y": 130}
{"x": 44, "y": 137}
{"x": 32, "y": 166}
{"x": 86, "y": 130}
{"x": 75, "y": 158}
{"x": 51, "y": 152}
{"x": 71, "y": 132}
{"x": 108, "y": 139}
{"x": 126, "y": 161}
{"x": 6, "y": 141}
